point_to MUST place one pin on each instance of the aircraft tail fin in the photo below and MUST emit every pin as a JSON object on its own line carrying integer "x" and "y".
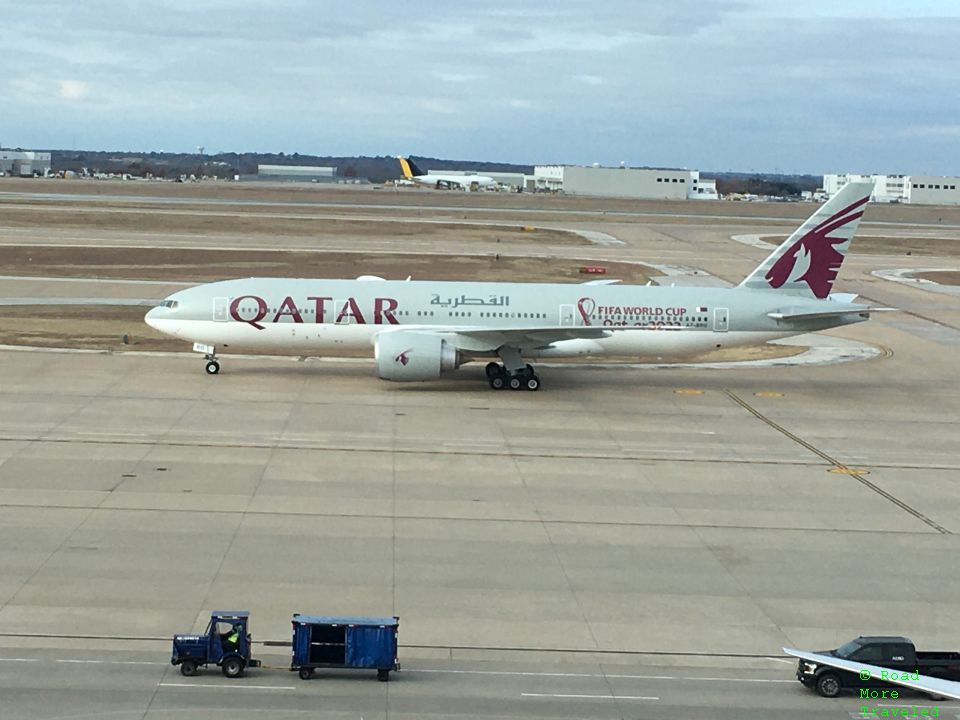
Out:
{"x": 409, "y": 168}
{"x": 808, "y": 261}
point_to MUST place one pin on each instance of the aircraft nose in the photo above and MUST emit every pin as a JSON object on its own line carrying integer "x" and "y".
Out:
{"x": 163, "y": 318}
{"x": 151, "y": 317}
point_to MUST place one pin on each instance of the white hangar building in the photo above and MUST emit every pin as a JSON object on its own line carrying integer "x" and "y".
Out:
{"x": 303, "y": 173}
{"x": 914, "y": 189}
{"x": 24, "y": 163}
{"x": 640, "y": 183}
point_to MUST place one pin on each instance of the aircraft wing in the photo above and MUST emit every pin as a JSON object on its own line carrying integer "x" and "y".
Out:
{"x": 934, "y": 686}
{"x": 490, "y": 339}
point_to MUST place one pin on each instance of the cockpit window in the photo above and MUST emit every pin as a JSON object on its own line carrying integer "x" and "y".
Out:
{"x": 172, "y": 304}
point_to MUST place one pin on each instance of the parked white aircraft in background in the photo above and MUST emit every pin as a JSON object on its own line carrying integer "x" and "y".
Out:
{"x": 441, "y": 180}
{"x": 420, "y": 329}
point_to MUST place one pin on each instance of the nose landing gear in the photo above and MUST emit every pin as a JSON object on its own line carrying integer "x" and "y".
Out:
{"x": 210, "y": 355}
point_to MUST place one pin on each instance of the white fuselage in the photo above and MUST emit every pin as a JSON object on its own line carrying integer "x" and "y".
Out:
{"x": 466, "y": 182}
{"x": 359, "y": 339}
{"x": 345, "y": 316}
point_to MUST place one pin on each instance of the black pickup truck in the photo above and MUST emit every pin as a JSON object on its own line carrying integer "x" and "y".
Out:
{"x": 896, "y": 653}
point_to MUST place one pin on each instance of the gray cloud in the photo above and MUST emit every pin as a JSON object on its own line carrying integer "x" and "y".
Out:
{"x": 715, "y": 85}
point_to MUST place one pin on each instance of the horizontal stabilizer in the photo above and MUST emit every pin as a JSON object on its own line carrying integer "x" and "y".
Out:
{"x": 807, "y": 314}
{"x": 604, "y": 281}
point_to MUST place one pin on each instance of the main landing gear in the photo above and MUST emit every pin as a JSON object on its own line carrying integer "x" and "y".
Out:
{"x": 500, "y": 378}
{"x": 513, "y": 374}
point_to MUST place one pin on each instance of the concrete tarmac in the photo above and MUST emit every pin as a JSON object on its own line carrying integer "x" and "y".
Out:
{"x": 532, "y": 544}
{"x": 139, "y": 686}
{"x": 671, "y": 510}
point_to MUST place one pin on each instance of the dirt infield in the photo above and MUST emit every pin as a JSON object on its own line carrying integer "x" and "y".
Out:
{"x": 208, "y": 265}
{"x": 944, "y": 277}
{"x": 383, "y": 195}
{"x": 210, "y": 220}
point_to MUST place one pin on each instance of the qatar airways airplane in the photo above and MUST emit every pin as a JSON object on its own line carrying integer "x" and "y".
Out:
{"x": 421, "y": 329}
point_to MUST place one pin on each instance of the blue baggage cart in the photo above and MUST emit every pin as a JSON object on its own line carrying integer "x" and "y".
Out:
{"x": 323, "y": 641}
{"x": 226, "y": 643}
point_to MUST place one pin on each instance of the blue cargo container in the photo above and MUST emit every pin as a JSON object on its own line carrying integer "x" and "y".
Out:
{"x": 324, "y": 641}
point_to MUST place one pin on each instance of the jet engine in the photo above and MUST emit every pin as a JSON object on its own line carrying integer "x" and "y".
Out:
{"x": 406, "y": 356}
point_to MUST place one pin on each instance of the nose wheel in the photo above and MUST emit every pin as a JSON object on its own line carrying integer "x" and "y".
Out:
{"x": 212, "y": 367}
{"x": 500, "y": 378}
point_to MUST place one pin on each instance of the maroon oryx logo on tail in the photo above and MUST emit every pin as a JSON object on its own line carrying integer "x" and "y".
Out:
{"x": 813, "y": 259}
{"x": 403, "y": 358}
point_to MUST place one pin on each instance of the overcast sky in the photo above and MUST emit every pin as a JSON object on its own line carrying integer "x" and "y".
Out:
{"x": 767, "y": 85}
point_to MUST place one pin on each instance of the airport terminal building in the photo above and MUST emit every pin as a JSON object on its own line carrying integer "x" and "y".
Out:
{"x": 640, "y": 183}
{"x": 914, "y": 189}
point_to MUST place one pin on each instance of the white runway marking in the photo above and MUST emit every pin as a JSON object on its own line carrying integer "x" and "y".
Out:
{"x": 230, "y": 686}
{"x": 134, "y": 662}
{"x": 753, "y": 240}
{"x": 905, "y": 276}
{"x": 109, "y": 281}
{"x": 693, "y": 678}
{"x": 85, "y": 662}
{"x": 588, "y": 697}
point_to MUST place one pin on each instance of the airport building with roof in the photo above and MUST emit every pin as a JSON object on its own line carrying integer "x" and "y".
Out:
{"x": 24, "y": 163}
{"x": 301, "y": 173}
{"x": 624, "y": 182}
{"x": 934, "y": 190}
{"x": 913, "y": 189}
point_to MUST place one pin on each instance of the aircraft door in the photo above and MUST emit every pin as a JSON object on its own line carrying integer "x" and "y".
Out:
{"x": 566, "y": 316}
{"x": 343, "y": 312}
{"x": 721, "y": 319}
{"x": 220, "y": 306}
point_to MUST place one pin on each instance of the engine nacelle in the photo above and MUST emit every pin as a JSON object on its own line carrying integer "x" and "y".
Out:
{"x": 406, "y": 356}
